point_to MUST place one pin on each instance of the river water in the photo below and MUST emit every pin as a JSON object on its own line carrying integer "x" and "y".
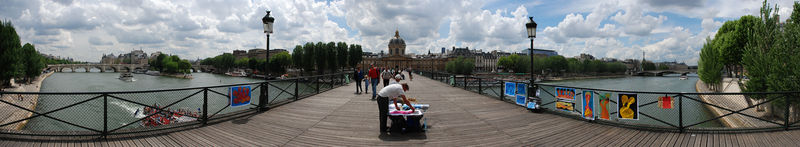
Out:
{"x": 121, "y": 112}
{"x": 693, "y": 112}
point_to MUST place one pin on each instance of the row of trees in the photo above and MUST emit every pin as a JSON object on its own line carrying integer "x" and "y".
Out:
{"x": 318, "y": 57}
{"x": 460, "y": 65}
{"x": 170, "y": 64}
{"x": 17, "y": 61}
{"x": 559, "y": 64}
{"x": 324, "y": 57}
{"x": 767, "y": 52}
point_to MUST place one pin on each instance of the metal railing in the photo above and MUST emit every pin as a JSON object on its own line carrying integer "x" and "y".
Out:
{"x": 657, "y": 111}
{"x": 102, "y": 114}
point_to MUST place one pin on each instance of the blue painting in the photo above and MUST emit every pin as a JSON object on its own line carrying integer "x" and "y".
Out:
{"x": 521, "y": 99}
{"x": 522, "y": 88}
{"x": 532, "y": 105}
{"x": 510, "y": 87}
{"x": 239, "y": 95}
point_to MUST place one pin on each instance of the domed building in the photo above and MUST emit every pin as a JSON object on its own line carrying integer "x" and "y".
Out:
{"x": 397, "y": 58}
{"x": 397, "y": 46}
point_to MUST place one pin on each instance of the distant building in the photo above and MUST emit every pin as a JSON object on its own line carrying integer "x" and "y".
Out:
{"x": 397, "y": 58}
{"x": 257, "y": 53}
{"x": 108, "y": 59}
{"x": 584, "y": 57}
{"x": 540, "y": 52}
{"x": 239, "y": 54}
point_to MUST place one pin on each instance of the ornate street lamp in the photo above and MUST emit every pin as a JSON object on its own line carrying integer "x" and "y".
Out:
{"x": 531, "y": 26}
{"x": 267, "y": 20}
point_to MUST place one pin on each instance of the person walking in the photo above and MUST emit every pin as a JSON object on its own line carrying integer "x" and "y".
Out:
{"x": 373, "y": 76}
{"x": 392, "y": 91}
{"x": 366, "y": 82}
{"x": 386, "y": 75}
{"x": 358, "y": 75}
{"x": 410, "y": 77}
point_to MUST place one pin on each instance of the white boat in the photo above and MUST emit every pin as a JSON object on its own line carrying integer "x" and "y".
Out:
{"x": 684, "y": 77}
{"x": 126, "y": 76}
{"x": 153, "y": 73}
{"x": 236, "y": 73}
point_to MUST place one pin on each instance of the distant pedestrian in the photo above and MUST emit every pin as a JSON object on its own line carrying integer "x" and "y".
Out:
{"x": 386, "y": 75}
{"x": 410, "y": 77}
{"x": 358, "y": 75}
{"x": 373, "y": 76}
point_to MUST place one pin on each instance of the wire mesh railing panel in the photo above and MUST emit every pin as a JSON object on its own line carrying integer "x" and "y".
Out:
{"x": 57, "y": 112}
{"x": 134, "y": 110}
{"x": 736, "y": 111}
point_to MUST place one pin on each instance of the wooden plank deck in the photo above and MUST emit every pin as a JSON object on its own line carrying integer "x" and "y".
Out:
{"x": 456, "y": 118}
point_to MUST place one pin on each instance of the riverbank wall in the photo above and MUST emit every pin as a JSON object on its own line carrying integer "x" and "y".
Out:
{"x": 10, "y": 113}
{"x": 732, "y": 102}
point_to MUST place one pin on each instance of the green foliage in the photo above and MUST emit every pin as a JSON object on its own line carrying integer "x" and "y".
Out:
{"x": 663, "y": 67}
{"x": 33, "y": 61}
{"x": 709, "y": 65}
{"x": 242, "y": 63}
{"x": 354, "y": 55}
{"x": 460, "y": 65}
{"x": 297, "y": 56}
{"x": 647, "y": 65}
{"x": 9, "y": 54}
{"x": 279, "y": 62}
{"x": 515, "y": 63}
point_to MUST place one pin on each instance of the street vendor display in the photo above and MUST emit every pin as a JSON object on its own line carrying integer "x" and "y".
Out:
{"x": 392, "y": 91}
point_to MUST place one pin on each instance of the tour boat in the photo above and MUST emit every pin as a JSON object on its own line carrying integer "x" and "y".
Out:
{"x": 155, "y": 118}
{"x": 236, "y": 73}
{"x": 126, "y": 76}
{"x": 153, "y": 73}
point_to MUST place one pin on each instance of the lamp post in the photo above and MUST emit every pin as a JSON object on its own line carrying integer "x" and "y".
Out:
{"x": 531, "y": 26}
{"x": 267, "y": 20}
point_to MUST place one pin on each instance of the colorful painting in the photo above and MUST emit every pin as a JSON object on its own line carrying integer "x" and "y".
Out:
{"x": 665, "y": 102}
{"x": 522, "y": 88}
{"x": 587, "y": 104}
{"x": 239, "y": 95}
{"x": 532, "y": 105}
{"x": 565, "y": 106}
{"x": 521, "y": 99}
{"x": 627, "y": 106}
{"x": 604, "y": 100}
{"x": 565, "y": 93}
{"x": 510, "y": 87}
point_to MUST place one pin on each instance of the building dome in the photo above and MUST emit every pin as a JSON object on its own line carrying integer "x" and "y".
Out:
{"x": 397, "y": 46}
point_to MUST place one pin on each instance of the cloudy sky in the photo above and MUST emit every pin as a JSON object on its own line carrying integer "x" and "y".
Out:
{"x": 668, "y": 30}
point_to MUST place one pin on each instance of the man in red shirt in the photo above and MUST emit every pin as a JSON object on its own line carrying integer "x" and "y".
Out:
{"x": 373, "y": 77}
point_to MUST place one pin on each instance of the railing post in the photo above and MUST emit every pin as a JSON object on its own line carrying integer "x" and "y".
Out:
{"x": 680, "y": 112}
{"x": 105, "y": 116}
{"x": 317, "y": 81}
{"x": 296, "y": 94}
{"x": 205, "y": 106}
{"x": 502, "y": 90}
{"x": 480, "y": 86}
{"x": 465, "y": 83}
{"x": 262, "y": 96}
{"x": 786, "y": 112}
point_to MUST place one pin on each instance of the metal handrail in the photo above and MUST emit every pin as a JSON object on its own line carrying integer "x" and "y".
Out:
{"x": 203, "y": 91}
{"x": 680, "y": 125}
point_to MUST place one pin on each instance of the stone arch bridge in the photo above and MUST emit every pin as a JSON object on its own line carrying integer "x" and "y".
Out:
{"x": 664, "y": 72}
{"x": 115, "y": 67}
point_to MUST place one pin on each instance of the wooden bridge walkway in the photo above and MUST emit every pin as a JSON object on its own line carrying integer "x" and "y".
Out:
{"x": 456, "y": 117}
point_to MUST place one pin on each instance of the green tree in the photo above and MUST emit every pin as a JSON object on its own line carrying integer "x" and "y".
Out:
{"x": 341, "y": 54}
{"x": 185, "y": 66}
{"x": 309, "y": 58}
{"x": 279, "y": 62}
{"x": 9, "y": 54}
{"x": 333, "y": 60}
{"x": 460, "y": 65}
{"x": 647, "y": 65}
{"x": 709, "y": 65}
{"x": 297, "y": 57}
{"x": 355, "y": 55}
{"x": 663, "y": 67}
{"x": 33, "y": 61}
{"x": 224, "y": 62}
{"x": 242, "y": 63}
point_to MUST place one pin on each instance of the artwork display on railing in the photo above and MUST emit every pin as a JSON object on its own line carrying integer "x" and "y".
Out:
{"x": 627, "y": 106}
{"x": 239, "y": 95}
{"x": 652, "y": 110}
{"x": 604, "y": 100}
{"x": 588, "y": 105}
{"x": 509, "y": 89}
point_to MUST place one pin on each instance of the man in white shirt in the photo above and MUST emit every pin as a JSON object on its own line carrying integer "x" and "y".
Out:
{"x": 392, "y": 91}
{"x": 386, "y": 75}
{"x": 396, "y": 80}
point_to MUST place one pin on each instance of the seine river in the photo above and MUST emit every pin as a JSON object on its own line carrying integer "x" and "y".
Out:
{"x": 90, "y": 113}
{"x": 693, "y": 112}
